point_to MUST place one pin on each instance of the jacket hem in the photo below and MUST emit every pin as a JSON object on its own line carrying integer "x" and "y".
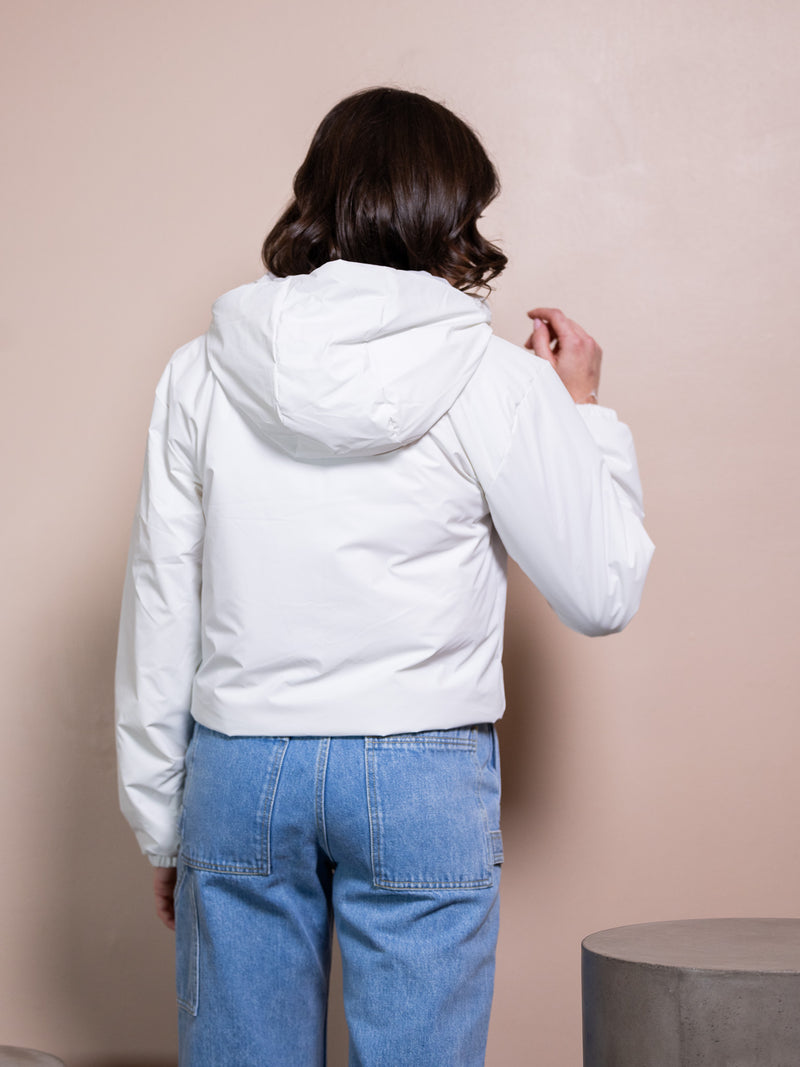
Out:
{"x": 345, "y": 722}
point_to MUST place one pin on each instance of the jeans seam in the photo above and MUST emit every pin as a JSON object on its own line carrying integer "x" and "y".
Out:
{"x": 190, "y": 1003}
{"x": 427, "y": 742}
{"x": 224, "y": 868}
{"x": 321, "y": 775}
{"x": 266, "y": 832}
{"x": 374, "y": 830}
{"x": 484, "y": 883}
{"x": 485, "y": 815}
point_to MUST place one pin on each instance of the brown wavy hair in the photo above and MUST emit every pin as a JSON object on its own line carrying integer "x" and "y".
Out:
{"x": 393, "y": 178}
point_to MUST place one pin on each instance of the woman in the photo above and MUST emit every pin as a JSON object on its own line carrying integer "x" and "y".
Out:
{"x": 309, "y": 659}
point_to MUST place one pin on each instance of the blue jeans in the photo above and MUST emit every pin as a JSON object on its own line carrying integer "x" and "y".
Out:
{"x": 397, "y": 838}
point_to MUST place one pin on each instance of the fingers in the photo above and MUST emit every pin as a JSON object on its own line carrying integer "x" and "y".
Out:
{"x": 166, "y": 913}
{"x": 559, "y": 322}
{"x": 553, "y": 315}
{"x": 563, "y": 330}
{"x": 540, "y": 341}
{"x": 164, "y": 886}
{"x": 568, "y": 348}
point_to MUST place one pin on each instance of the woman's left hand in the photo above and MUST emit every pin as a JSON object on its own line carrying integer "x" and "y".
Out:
{"x": 164, "y": 887}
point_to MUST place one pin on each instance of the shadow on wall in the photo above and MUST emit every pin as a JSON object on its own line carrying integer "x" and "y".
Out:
{"x": 525, "y": 731}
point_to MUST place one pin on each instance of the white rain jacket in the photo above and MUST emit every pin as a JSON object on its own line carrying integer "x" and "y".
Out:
{"x": 334, "y": 474}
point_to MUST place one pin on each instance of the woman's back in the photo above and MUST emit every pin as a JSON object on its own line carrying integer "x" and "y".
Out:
{"x": 348, "y": 586}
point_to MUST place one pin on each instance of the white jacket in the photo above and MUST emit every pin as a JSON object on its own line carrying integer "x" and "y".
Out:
{"x": 334, "y": 473}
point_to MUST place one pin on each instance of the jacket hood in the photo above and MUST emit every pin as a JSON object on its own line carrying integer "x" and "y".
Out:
{"x": 353, "y": 359}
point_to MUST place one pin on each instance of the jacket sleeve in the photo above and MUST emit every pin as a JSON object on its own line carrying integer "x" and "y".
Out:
{"x": 562, "y": 485}
{"x": 158, "y": 650}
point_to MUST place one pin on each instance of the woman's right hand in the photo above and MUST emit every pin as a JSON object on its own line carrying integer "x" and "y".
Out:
{"x": 569, "y": 349}
{"x": 164, "y": 879}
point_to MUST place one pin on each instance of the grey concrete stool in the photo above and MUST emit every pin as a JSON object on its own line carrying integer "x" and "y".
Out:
{"x": 26, "y": 1057}
{"x": 705, "y": 992}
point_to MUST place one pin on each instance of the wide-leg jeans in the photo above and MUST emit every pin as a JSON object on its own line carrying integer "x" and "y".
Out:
{"x": 395, "y": 838}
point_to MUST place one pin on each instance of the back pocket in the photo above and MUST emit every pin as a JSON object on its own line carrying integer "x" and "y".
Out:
{"x": 428, "y": 822}
{"x": 227, "y": 802}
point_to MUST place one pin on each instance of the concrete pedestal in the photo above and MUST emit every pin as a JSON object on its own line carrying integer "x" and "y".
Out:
{"x": 693, "y": 993}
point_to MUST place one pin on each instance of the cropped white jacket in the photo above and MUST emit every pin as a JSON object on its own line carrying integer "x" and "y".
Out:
{"x": 334, "y": 474}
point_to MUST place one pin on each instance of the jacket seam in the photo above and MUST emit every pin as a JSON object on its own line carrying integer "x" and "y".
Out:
{"x": 281, "y": 298}
{"x": 512, "y": 430}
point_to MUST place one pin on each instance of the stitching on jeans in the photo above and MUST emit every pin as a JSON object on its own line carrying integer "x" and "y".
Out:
{"x": 479, "y": 799}
{"x": 190, "y": 1004}
{"x": 423, "y": 742}
{"x": 266, "y": 829}
{"x": 319, "y": 793}
{"x": 223, "y": 868}
{"x": 482, "y": 883}
{"x": 434, "y": 887}
{"x": 373, "y": 827}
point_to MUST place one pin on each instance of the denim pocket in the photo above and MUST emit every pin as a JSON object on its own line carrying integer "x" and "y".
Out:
{"x": 433, "y": 809}
{"x": 187, "y": 942}
{"x": 227, "y": 802}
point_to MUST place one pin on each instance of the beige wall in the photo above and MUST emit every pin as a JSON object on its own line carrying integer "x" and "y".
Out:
{"x": 649, "y": 154}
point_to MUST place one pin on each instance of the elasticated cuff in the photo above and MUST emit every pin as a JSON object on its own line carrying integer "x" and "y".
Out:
{"x": 163, "y": 861}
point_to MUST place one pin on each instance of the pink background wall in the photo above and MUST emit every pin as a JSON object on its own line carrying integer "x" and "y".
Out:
{"x": 649, "y": 155}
